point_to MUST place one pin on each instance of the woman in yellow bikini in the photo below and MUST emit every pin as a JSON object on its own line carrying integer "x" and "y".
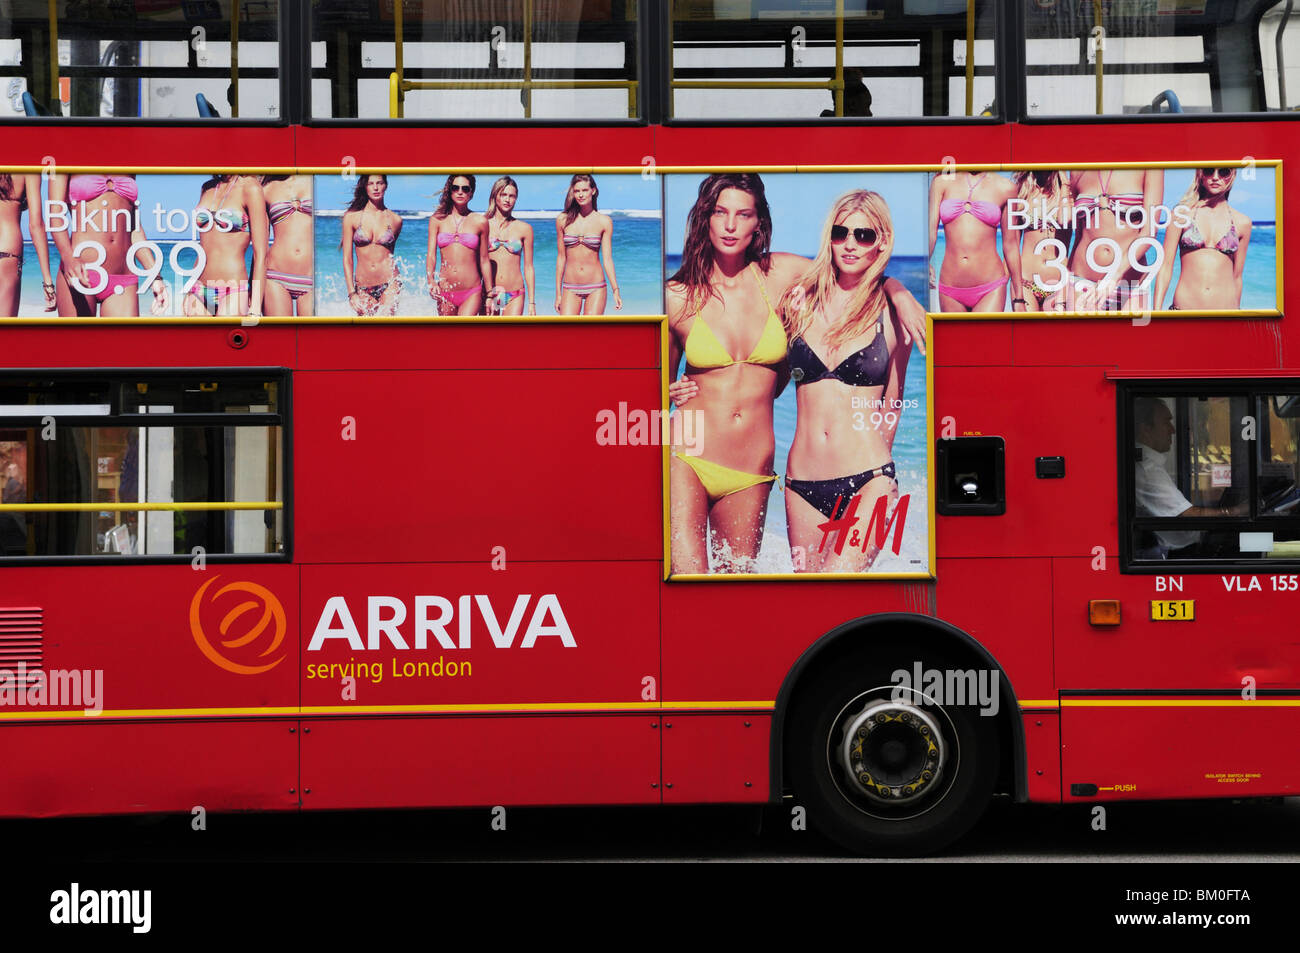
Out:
{"x": 722, "y": 317}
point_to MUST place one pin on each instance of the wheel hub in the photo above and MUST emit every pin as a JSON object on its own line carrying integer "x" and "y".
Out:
{"x": 892, "y": 752}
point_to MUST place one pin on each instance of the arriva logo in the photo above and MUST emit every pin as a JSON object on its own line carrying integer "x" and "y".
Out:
{"x": 220, "y": 653}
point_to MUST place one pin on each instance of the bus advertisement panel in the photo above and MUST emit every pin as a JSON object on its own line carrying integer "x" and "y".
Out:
{"x": 801, "y": 359}
{"x": 1125, "y": 240}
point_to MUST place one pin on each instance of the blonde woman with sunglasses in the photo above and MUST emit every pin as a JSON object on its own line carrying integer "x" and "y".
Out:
{"x": 1211, "y": 246}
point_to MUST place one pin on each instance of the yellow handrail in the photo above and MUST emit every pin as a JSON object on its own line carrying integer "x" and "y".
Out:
{"x": 397, "y": 91}
{"x": 56, "y": 108}
{"x": 399, "y": 85}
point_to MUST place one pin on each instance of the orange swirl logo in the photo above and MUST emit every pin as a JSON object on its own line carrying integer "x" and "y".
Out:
{"x": 272, "y": 612}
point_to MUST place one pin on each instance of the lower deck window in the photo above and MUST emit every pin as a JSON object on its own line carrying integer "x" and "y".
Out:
{"x": 1211, "y": 473}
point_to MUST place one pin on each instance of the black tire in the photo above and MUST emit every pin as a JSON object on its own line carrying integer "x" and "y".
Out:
{"x": 840, "y": 809}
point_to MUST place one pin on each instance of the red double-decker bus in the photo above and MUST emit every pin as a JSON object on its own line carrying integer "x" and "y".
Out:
{"x": 881, "y": 404}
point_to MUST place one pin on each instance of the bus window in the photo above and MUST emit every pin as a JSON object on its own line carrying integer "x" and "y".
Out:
{"x": 1214, "y": 478}
{"x": 1112, "y": 57}
{"x": 492, "y": 60}
{"x": 772, "y": 60}
{"x": 141, "y": 59}
{"x": 168, "y": 443}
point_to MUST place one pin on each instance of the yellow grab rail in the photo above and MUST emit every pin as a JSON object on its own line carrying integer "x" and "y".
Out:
{"x": 399, "y": 85}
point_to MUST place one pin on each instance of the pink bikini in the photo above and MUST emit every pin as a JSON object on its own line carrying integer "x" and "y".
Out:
{"x": 990, "y": 215}
{"x": 470, "y": 241}
{"x": 87, "y": 188}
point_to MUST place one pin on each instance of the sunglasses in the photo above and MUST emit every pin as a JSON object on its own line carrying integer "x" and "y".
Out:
{"x": 463, "y": 188}
{"x": 1222, "y": 173}
{"x": 863, "y": 236}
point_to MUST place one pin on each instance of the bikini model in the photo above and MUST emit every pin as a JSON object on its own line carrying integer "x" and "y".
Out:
{"x": 213, "y": 293}
{"x": 361, "y": 238}
{"x": 1193, "y": 240}
{"x": 470, "y": 241}
{"x": 296, "y": 285}
{"x": 1115, "y": 203}
{"x": 988, "y": 213}
{"x": 515, "y": 247}
{"x": 705, "y": 352}
{"x": 867, "y": 367}
{"x": 592, "y": 242}
{"x": 87, "y": 188}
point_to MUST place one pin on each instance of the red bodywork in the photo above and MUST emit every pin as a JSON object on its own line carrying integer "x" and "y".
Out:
{"x": 470, "y": 438}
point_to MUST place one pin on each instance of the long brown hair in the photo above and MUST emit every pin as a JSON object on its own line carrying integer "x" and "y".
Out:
{"x": 6, "y": 186}
{"x": 444, "y": 200}
{"x": 812, "y": 292}
{"x": 359, "y": 196}
{"x": 696, "y": 271}
{"x": 571, "y": 209}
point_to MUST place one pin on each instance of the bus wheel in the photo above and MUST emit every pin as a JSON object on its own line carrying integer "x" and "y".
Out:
{"x": 885, "y": 770}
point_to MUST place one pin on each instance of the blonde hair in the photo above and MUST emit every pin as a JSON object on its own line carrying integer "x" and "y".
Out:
{"x": 812, "y": 292}
{"x": 1029, "y": 187}
{"x": 1195, "y": 195}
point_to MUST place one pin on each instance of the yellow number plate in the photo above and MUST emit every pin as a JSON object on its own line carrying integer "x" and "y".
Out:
{"x": 1173, "y": 610}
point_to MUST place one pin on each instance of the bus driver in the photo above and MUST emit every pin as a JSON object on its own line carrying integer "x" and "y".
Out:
{"x": 1154, "y": 488}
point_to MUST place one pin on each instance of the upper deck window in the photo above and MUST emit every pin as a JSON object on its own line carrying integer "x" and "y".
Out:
{"x": 1115, "y": 57}
{"x": 488, "y": 60}
{"x": 781, "y": 59}
{"x": 140, "y": 59}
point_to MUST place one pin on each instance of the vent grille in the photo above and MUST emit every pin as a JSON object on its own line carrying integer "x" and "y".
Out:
{"x": 22, "y": 638}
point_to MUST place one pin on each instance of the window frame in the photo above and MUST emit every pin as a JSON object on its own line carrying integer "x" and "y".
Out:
{"x": 282, "y": 418}
{"x": 1006, "y": 30}
{"x": 1021, "y": 37}
{"x": 648, "y": 78}
{"x": 289, "y": 80}
{"x": 1127, "y": 392}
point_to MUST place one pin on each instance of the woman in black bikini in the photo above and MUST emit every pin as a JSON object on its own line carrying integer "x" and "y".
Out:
{"x": 850, "y": 400}
{"x": 370, "y": 231}
{"x": 19, "y": 193}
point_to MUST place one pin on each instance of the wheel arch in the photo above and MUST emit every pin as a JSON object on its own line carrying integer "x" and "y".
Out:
{"x": 932, "y": 634}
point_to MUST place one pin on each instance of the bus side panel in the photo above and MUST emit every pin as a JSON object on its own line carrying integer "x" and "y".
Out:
{"x": 168, "y": 640}
{"x": 970, "y": 344}
{"x": 1006, "y": 606}
{"x": 118, "y": 768}
{"x": 542, "y": 634}
{"x": 466, "y": 762}
{"x": 737, "y": 642}
{"x": 414, "y": 466}
{"x": 1175, "y": 751}
{"x": 716, "y": 758}
{"x": 1057, "y": 411}
{"x": 457, "y": 347}
{"x": 1043, "y": 755}
{"x": 1160, "y": 345}
{"x": 1234, "y": 635}
{"x": 167, "y": 347}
